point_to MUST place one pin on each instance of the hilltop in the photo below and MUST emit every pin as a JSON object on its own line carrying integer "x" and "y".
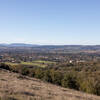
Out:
{"x": 18, "y": 87}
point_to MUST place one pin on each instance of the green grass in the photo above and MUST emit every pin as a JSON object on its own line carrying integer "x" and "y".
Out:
{"x": 10, "y": 63}
{"x": 38, "y": 63}
{"x": 43, "y": 61}
{"x": 33, "y": 64}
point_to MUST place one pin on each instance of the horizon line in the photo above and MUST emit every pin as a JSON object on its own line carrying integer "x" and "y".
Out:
{"x": 49, "y": 44}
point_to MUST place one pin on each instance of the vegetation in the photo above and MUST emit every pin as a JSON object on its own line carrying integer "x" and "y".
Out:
{"x": 75, "y": 67}
{"x": 38, "y": 63}
{"x": 79, "y": 78}
{"x": 15, "y": 86}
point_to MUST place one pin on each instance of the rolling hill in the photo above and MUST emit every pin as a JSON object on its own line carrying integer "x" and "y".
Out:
{"x": 17, "y": 87}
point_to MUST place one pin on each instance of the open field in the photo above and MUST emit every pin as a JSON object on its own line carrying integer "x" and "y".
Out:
{"x": 33, "y": 64}
{"x": 16, "y": 86}
{"x": 9, "y": 63}
{"x": 45, "y": 62}
{"x": 39, "y": 63}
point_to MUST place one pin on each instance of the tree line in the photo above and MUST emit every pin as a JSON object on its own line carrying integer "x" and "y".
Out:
{"x": 82, "y": 81}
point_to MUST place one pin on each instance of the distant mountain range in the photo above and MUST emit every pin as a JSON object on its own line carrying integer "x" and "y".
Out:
{"x": 52, "y": 48}
{"x": 35, "y": 45}
{"x": 55, "y": 47}
{"x": 19, "y": 45}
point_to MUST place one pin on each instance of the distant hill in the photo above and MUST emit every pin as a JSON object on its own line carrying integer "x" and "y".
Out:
{"x": 23, "y": 45}
{"x": 53, "y": 48}
{"x": 19, "y": 45}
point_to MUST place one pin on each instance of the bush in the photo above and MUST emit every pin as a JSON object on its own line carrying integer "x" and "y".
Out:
{"x": 4, "y": 66}
{"x": 39, "y": 73}
{"x": 25, "y": 71}
{"x": 47, "y": 76}
{"x": 56, "y": 77}
{"x": 90, "y": 85}
{"x": 69, "y": 81}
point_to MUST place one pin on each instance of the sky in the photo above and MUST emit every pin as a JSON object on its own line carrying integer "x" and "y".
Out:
{"x": 61, "y": 22}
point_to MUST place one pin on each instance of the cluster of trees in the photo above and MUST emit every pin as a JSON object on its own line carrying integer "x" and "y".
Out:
{"x": 78, "y": 80}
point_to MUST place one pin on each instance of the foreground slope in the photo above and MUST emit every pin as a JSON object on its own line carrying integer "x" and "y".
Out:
{"x": 25, "y": 88}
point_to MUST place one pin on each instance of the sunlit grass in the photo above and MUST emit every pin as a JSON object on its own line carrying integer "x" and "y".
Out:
{"x": 33, "y": 64}
{"x": 10, "y": 63}
{"x": 38, "y": 63}
{"x": 43, "y": 61}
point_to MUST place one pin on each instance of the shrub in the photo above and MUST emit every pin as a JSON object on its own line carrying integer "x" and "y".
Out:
{"x": 69, "y": 81}
{"x": 90, "y": 85}
{"x": 47, "y": 76}
{"x": 39, "y": 73}
{"x": 4, "y": 66}
{"x": 24, "y": 71}
{"x": 56, "y": 77}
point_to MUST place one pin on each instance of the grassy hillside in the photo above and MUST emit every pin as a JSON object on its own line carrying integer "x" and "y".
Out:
{"x": 17, "y": 87}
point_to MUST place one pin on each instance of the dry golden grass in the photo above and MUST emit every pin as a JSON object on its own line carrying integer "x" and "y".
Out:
{"x": 25, "y": 88}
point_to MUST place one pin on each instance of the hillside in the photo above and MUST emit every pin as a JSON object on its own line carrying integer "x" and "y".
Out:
{"x": 52, "y": 48}
{"x": 16, "y": 86}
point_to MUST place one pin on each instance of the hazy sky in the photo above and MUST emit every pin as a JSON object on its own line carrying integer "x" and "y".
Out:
{"x": 50, "y": 21}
